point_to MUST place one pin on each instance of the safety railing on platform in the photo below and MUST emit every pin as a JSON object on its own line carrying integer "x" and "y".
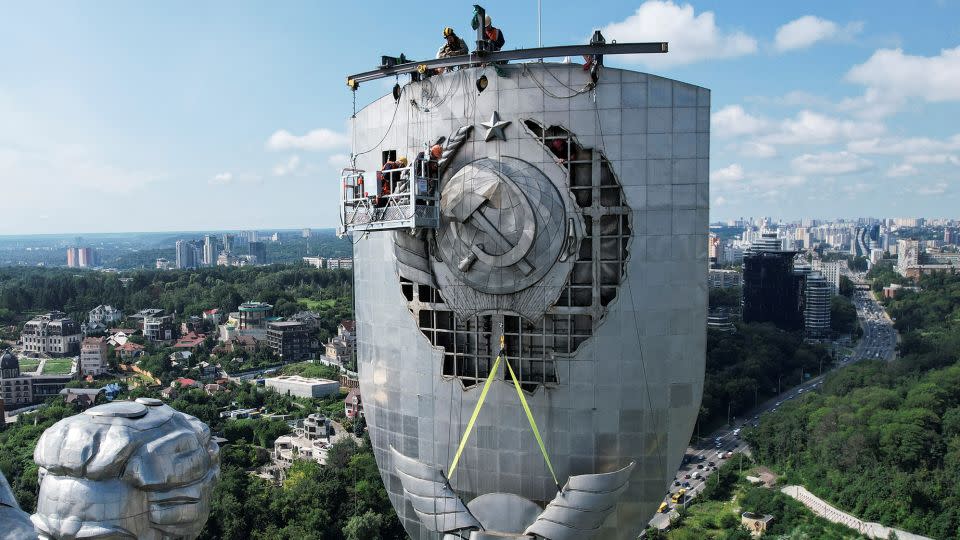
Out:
{"x": 401, "y": 198}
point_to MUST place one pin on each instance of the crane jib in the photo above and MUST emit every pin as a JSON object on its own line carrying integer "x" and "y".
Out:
{"x": 594, "y": 49}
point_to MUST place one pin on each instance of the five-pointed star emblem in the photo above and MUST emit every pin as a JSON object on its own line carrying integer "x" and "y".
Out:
{"x": 495, "y": 127}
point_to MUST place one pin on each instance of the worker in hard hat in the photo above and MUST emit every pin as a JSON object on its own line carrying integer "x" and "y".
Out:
{"x": 454, "y": 46}
{"x": 493, "y": 34}
{"x": 428, "y": 168}
{"x": 389, "y": 180}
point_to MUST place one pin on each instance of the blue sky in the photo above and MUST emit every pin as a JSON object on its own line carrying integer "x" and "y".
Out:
{"x": 219, "y": 115}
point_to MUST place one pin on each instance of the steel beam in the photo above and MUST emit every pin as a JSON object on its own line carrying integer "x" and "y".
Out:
{"x": 507, "y": 56}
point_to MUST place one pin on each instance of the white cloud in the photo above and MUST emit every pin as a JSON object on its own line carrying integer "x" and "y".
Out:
{"x": 814, "y": 128}
{"x": 288, "y": 167}
{"x": 935, "y": 159}
{"x": 858, "y": 188}
{"x": 236, "y": 179}
{"x": 872, "y": 104}
{"x": 793, "y": 98}
{"x": 732, "y": 121}
{"x": 904, "y": 146}
{"x": 892, "y": 73}
{"x": 830, "y": 163}
{"x": 222, "y": 178}
{"x": 692, "y": 37}
{"x": 731, "y": 173}
{"x": 317, "y": 139}
{"x": 938, "y": 188}
{"x": 904, "y": 169}
{"x": 767, "y": 181}
{"x": 719, "y": 201}
{"x": 807, "y": 30}
{"x": 65, "y": 167}
{"x": 338, "y": 161}
{"x": 757, "y": 149}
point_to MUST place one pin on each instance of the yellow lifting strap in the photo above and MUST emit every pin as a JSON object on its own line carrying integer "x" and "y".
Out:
{"x": 526, "y": 408}
{"x": 533, "y": 424}
{"x": 473, "y": 417}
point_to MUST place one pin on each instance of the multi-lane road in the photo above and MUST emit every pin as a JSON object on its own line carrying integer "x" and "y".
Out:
{"x": 878, "y": 342}
{"x": 879, "y": 337}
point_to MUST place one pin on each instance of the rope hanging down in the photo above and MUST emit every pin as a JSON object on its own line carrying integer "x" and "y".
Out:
{"x": 526, "y": 408}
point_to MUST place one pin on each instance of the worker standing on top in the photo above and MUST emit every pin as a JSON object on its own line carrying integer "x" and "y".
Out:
{"x": 493, "y": 34}
{"x": 455, "y": 45}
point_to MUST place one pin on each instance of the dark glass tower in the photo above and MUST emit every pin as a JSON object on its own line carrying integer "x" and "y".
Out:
{"x": 772, "y": 291}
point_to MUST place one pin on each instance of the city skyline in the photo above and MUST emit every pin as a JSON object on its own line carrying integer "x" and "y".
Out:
{"x": 238, "y": 114}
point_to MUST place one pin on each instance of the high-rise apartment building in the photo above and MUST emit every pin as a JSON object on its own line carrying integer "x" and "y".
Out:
{"x": 81, "y": 257}
{"x": 831, "y": 271}
{"x": 767, "y": 241}
{"x": 803, "y": 237}
{"x": 85, "y": 257}
{"x": 227, "y": 243}
{"x": 209, "y": 250}
{"x": 259, "y": 251}
{"x": 715, "y": 250}
{"x": 816, "y": 306}
{"x": 949, "y": 235}
{"x": 188, "y": 255}
{"x": 908, "y": 255}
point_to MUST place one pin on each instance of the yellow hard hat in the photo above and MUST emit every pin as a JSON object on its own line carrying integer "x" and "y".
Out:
{"x": 447, "y": 31}
{"x": 403, "y": 161}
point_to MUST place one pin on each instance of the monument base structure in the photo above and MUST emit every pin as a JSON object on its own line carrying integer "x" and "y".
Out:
{"x": 571, "y": 241}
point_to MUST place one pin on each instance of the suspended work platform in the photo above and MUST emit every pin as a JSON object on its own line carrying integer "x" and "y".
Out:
{"x": 400, "y": 198}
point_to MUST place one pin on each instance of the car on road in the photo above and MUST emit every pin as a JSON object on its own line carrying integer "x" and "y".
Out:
{"x": 687, "y": 476}
{"x": 699, "y": 465}
{"x": 711, "y": 464}
{"x": 697, "y": 475}
{"x": 664, "y": 508}
{"x": 676, "y": 483}
{"x": 686, "y": 484}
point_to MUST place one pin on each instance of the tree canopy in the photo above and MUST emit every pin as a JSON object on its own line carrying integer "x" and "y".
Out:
{"x": 882, "y": 440}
